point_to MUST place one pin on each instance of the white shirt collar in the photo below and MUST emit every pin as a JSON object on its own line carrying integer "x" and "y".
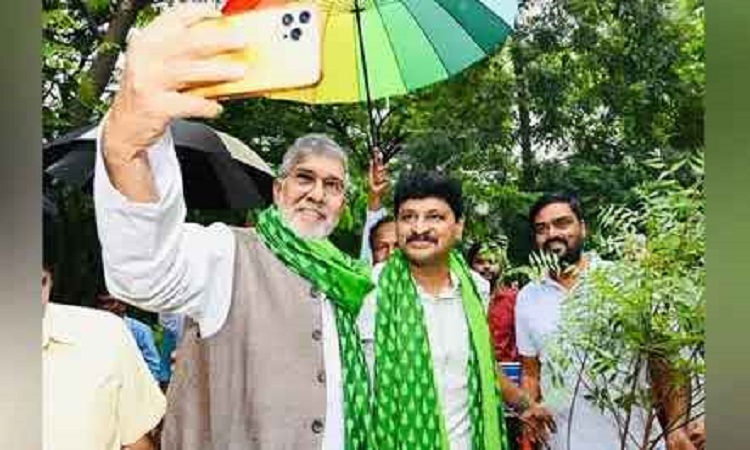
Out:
{"x": 452, "y": 292}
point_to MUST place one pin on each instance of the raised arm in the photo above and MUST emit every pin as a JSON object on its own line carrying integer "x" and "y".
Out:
{"x": 378, "y": 183}
{"x": 528, "y": 351}
{"x": 151, "y": 257}
{"x": 672, "y": 395}
{"x": 161, "y": 61}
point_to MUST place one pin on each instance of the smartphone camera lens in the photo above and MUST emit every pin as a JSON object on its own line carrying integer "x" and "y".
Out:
{"x": 296, "y": 34}
{"x": 304, "y": 16}
{"x": 287, "y": 19}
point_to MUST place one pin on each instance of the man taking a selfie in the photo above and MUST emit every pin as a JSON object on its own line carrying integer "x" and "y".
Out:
{"x": 271, "y": 356}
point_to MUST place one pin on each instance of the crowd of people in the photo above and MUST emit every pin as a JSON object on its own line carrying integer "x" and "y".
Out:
{"x": 282, "y": 340}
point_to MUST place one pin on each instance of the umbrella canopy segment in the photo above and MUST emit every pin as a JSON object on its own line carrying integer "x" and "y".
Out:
{"x": 243, "y": 154}
{"x": 218, "y": 170}
{"x": 405, "y": 44}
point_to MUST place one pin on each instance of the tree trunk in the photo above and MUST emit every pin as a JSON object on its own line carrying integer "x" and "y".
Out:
{"x": 528, "y": 165}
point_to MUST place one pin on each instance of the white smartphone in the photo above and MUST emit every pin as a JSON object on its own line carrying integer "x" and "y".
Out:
{"x": 283, "y": 52}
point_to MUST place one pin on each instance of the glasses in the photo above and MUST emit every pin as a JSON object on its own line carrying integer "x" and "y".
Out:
{"x": 306, "y": 181}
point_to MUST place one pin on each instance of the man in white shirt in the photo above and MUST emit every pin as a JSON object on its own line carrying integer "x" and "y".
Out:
{"x": 433, "y": 363}
{"x": 558, "y": 227}
{"x": 271, "y": 341}
{"x": 97, "y": 393}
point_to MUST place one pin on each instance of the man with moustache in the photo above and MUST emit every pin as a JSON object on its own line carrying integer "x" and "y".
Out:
{"x": 558, "y": 227}
{"x": 435, "y": 382}
{"x": 379, "y": 233}
{"x": 382, "y": 239}
{"x": 271, "y": 357}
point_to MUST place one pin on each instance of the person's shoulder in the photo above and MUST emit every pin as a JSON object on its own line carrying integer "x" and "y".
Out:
{"x": 248, "y": 241}
{"x": 83, "y": 315}
{"x": 238, "y": 230}
{"x": 377, "y": 270}
{"x": 237, "y": 233}
{"x": 528, "y": 296}
{"x": 85, "y": 325}
{"x": 529, "y": 291}
{"x": 505, "y": 294}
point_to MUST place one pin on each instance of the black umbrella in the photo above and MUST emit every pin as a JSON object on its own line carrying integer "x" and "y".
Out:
{"x": 218, "y": 170}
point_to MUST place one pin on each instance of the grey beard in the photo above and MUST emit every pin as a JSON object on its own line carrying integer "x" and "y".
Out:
{"x": 321, "y": 231}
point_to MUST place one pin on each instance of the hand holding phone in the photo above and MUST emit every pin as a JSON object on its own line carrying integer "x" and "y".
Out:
{"x": 283, "y": 51}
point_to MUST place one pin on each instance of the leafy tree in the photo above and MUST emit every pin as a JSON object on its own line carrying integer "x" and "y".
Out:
{"x": 82, "y": 40}
{"x": 582, "y": 94}
{"x": 610, "y": 82}
{"x": 77, "y": 275}
{"x": 647, "y": 308}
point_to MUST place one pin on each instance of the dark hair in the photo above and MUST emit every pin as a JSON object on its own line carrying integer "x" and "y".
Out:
{"x": 419, "y": 185}
{"x": 556, "y": 197}
{"x": 374, "y": 229}
{"x": 477, "y": 249}
{"x": 473, "y": 251}
{"x": 49, "y": 243}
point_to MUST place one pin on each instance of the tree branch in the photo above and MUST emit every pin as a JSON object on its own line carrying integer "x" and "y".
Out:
{"x": 633, "y": 386}
{"x": 649, "y": 425}
{"x": 579, "y": 380}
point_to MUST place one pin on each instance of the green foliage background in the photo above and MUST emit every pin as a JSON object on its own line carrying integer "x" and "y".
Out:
{"x": 582, "y": 95}
{"x": 648, "y": 303}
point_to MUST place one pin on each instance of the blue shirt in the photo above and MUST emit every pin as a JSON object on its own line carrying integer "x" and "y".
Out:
{"x": 173, "y": 324}
{"x": 144, "y": 337}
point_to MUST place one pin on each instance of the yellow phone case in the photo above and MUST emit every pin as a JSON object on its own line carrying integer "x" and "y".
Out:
{"x": 283, "y": 52}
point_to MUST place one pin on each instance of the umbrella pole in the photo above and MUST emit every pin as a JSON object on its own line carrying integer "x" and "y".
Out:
{"x": 373, "y": 128}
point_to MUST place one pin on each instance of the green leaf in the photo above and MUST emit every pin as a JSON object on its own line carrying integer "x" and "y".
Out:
{"x": 98, "y": 7}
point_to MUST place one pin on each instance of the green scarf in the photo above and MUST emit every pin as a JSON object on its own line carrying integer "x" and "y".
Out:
{"x": 345, "y": 282}
{"x": 407, "y": 412}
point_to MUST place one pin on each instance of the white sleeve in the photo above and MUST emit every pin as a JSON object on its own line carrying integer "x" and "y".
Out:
{"x": 484, "y": 288}
{"x": 372, "y": 217}
{"x": 366, "y": 324}
{"x": 152, "y": 258}
{"x": 524, "y": 339}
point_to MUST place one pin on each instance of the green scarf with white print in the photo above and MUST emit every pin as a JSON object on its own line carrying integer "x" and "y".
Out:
{"x": 345, "y": 282}
{"x": 407, "y": 407}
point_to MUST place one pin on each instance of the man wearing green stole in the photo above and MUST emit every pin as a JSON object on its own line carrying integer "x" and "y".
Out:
{"x": 271, "y": 356}
{"x": 435, "y": 384}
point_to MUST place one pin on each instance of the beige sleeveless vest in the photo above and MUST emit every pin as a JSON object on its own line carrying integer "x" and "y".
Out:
{"x": 259, "y": 382}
